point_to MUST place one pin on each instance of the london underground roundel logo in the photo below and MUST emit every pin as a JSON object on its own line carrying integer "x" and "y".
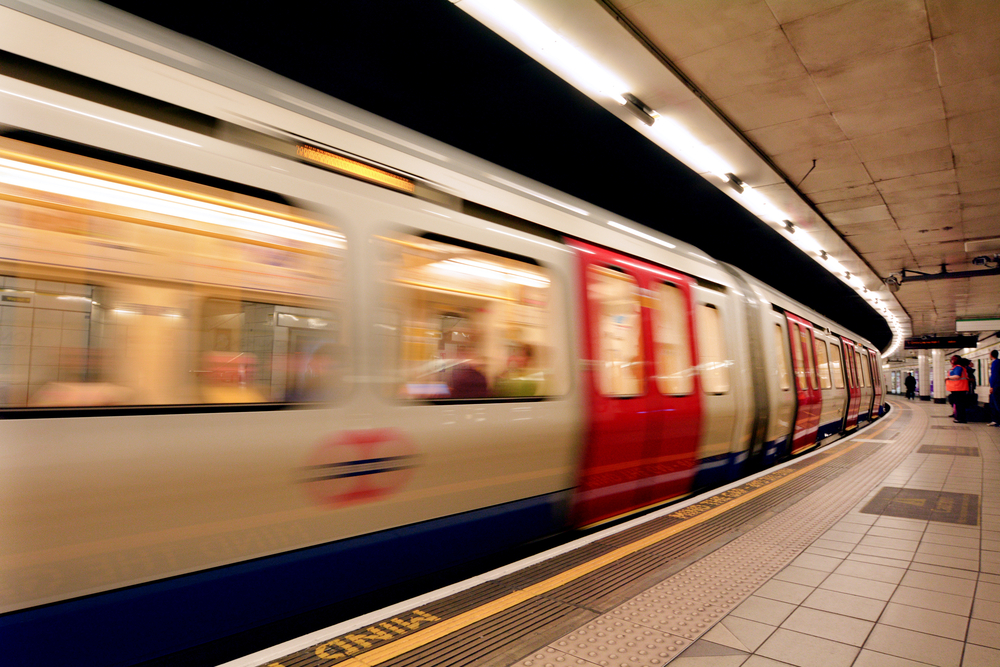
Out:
{"x": 359, "y": 466}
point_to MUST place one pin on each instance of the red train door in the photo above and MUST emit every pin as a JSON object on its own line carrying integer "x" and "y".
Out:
{"x": 853, "y": 387}
{"x": 876, "y": 382}
{"x": 641, "y": 441}
{"x": 807, "y": 391}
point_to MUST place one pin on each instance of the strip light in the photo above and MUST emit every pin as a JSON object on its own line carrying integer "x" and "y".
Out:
{"x": 682, "y": 144}
{"x": 567, "y": 58}
{"x": 45, "y": 179}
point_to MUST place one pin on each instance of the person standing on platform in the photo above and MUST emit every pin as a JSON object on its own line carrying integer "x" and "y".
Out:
{"x": 957, "y": 384}
{"x": 994, "y": 388}
{"x": 911, "y": 386}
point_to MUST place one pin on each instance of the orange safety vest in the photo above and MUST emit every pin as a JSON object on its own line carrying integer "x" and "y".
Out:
{"x": 958, "y": 382}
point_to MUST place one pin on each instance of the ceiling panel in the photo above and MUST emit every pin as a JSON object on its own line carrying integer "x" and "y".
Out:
{"x": 917, "y": 181}
{"x": 857, "y": 31}
{"x": 904, "y": 140}
{"x": 950, "y": 16}
{"x": 968, "y": 55}
{"x": 687, "y": 28}
{"x": 854, "y": 216}
{"x": 916, "y": 194}
{"x": 922, "y": 162}
{"x": 936, "y": 220}
{"x": 775, "y": 102}
{"x": 835, "y": 179}
{"x": 970, "y": 96}
{"x": 866, "y": 201}
{"x": 891, "y": 113}
{"x": 942, "y": 204}
{"x": 798, "y": 164}
{"x": 761, "y": 58}
{"x": 885, "y": 76}
{"x": 799, "y": 134}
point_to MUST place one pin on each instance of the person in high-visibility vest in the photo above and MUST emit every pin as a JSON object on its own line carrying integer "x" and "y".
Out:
{"x": 957, "y": 383}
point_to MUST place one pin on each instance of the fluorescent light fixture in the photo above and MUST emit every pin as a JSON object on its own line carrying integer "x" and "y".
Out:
{"x": 682, "y": 144}
{"x": 805, "y": 241}
{"x": 833, "y": 266}
{"x": 761, "y": 206}
{"x": 642, "y": 235}
{"x": 560, "y": 54}
{"x": 45, "y": 179}
{"x": 100, "y": 118}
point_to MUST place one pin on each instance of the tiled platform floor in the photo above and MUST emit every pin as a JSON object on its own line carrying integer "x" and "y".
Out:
{"x": 877, "y": 590}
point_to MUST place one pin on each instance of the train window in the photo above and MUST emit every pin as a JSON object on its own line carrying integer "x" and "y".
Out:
{"x": 810, "y": 361}
{"x": 781, "y": 349}
{"x": 472, "y": 324}
{"x": 46, "y": 338}
{"x": 674, "y": 375}
{"x": 153, "y": 290}
{"x": 865, "y": 363}
{"x": 862, "y": 376}
{"x": 254, "y": 352}
{"x": 712, "y": 350}
{"x": 835, "y": 366}
{"x": 823, "y": 364}
{"x": 617, "y": 307}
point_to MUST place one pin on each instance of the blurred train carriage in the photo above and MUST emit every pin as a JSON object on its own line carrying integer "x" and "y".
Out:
{"x": 249, "y": 368}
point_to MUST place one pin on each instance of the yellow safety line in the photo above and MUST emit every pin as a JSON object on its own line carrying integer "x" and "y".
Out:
{"x": 463, "y": 620}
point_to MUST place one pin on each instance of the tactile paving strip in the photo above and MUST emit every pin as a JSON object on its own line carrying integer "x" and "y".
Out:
{"x": 688, "y": 604}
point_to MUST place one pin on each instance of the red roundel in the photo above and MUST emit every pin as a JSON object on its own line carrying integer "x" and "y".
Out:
{"x": 360, "y": 466}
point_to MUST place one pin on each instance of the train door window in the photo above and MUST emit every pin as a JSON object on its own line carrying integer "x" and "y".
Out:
{"x": 860, "y": 372}
{"x": 674, "y": 375}
{"x": 712, "y": 350}
{"x": 808, "y": 360}
{"x": 797, "y": 361}
{"x": 781, "y": 350}
{"x": 823, "y": 364}
{"x": 616, "y": 301}
{"x": 866, "y": 369}
{"x": 835, "y": 366}
{"x": 47, "y": 345}
{"x": 472, "y": 324}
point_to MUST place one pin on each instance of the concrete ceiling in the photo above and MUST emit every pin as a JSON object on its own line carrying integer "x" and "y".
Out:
{"x": 898, "y": 101}
{"x": 895, "y": 100}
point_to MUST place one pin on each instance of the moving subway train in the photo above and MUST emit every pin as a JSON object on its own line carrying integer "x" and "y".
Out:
{"x": 261, "y": 351}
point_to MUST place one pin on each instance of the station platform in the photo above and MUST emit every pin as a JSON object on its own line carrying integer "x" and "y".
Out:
{"x": 881, "y": 549}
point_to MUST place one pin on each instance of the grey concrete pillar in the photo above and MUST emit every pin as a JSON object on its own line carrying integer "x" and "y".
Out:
{"x": 939, "y": 370}
{"x": 923, "y": 375}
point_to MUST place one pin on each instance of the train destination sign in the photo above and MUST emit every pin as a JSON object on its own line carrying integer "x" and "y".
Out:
{"x": 939, "y": 342}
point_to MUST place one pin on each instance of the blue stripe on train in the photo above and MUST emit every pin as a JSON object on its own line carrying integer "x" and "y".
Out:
{"x": 826, "y": 430}
{"x": 142, "y": 622}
